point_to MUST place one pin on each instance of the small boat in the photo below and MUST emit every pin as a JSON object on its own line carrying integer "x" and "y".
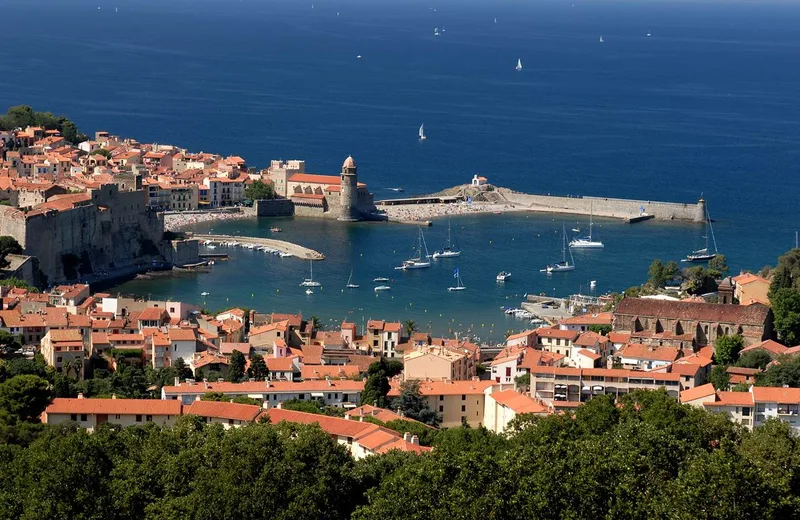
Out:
{"x": 495, "y": 20}
{"x": 436, "y": 31}
{"x": 204, "y": 293}
{"x": 648, "y": 34}
{"x": 601, "y": 39}
{"x": 309, "y": 282}
{"x": 459, "y": 284}
{"x": 576, "y": 230}
{"x": 563, "y": 265}
{"x": 519, "y": 64}
{"x": 350, "y": 284}
{"x": 309, "y": 291}
{"x": 382, "y": 288}
{"x": 705, "y": 254}
{"x": 586, "y": 242}
{"x": 503, "y": 276}
{"x": 450, "y": 250}
{"x": 358, "y": 57}
{"x": 275, "y": 229}
{"x": 284, "y": 254}
{"x": 419, "y": 261}
{"x": 211, "y": 246}
{"x": 422, "y": 136}
{"x": 399, "y": 190}
{"x": 380, "y": 279}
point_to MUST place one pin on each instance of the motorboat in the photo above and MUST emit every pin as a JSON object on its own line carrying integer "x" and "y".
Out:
{"x": 503, "y": 276}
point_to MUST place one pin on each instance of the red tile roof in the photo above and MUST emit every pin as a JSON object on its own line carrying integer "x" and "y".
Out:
{"x": 545, "y": 332}
{"x": 520, "y": 403}
{"x": 769, "y": 345}
{"x": 114, "y": 406}
{"x": 697, "y": 392}
{"x": 647, "y": 352}
{"x": 309, "y": 372}
{"x": 222, "y": 410}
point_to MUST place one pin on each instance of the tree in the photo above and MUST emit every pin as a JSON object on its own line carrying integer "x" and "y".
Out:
{"x": 101, "y": 151}
{"x": 236, "y": 367}
{"x": 784, "y": 372}
{"x": 726, "y": 349}
{"x": 8, "y": 246}
{"x": 786, "y": 274}
{"x": 258, "y": 367}
{"x": 786, "y": 308}
{"x": 657, "y": 278}
{"x": 603, "y": 330}
{"x": 409, "y": 327}
{"x": 699, "y": 280}
{"x": 523, "y": 381}
{"x": 259, "y": 191}
{"x": 376, "y": 388}
{"x": 718, "y": 266}
{"x": 414, "y": 406}
{"x": 719, "y": 377}
{"x": 24, "y": 397}
{"x": 8, "y": 342}
{"x": 754, "y": 359}
{"x": 740, "y": 387}
{"x": 182, "y": 369}
{"x": 316, "y": 324}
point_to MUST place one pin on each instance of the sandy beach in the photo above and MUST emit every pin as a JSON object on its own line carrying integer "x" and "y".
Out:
{"x": 179, "y": 221}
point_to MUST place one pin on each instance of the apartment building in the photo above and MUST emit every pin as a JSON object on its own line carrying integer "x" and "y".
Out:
{"x": 91, "y": 413}
{"x": 340, "y": 393}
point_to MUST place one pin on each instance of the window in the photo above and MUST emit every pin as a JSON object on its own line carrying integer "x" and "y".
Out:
{"x": 230, "y": 422}
{"x": 301, "y": 396}
{"x": 148, "y": 418}
{"x": 441, "y": 398}
{"x": 463, "y": 397}
{"x": 746, "y": 411}
{"x": 83, "y": 417}
{"x": 441, "y": 409}
{"x": 138, "y": 418}
{"x": 329, "y": 397}
{"x": 463, "y": 408}
{"x": 73, "y": 417}
{"x": 508, "y": 371}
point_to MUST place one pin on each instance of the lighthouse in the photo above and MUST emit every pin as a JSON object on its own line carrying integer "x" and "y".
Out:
{"x": 348, "y": 196}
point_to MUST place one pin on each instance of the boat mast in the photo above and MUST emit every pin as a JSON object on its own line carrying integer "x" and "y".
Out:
{"x": 591, "y": 220}
{"x": 711, "y": 230}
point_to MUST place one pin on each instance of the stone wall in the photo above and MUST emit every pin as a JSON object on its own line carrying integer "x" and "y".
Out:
{"x": 273, "y": 208}
{"x": 183, "y": 252}
{"x": 609, "y": 207}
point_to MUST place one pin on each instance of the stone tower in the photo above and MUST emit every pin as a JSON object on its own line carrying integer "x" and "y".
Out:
{"x": 700, "y": 211}
{"x": 348, "y": 196}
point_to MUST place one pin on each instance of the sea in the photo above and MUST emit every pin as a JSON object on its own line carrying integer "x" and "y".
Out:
{"x": 706, "y": 105}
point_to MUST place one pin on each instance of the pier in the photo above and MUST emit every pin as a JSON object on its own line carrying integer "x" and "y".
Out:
{"x": 296, "y": 250}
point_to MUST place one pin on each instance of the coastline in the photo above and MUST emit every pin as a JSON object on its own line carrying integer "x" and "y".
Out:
{"x": 184, "y": 220}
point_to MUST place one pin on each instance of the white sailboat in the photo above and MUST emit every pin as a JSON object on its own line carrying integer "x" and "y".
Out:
{"x": 380, "y": 279}
{"x": 563, "y": 265}
{"x": 586, "y": 242}
{"x": 436, "y": 31}
{"x": 519, "y": 64}
{"x": 419, "y": 261}
{"x": 648, "y": 34}
{"x": 451, "y": 250}
{"x": 350, "y": 284}
{"x": 309, "y": 282}
{"x": 382, "y": 288}
{"x": 422, "y": 136}
{"x": 601, "y": 39}
{"x": 704, "y": 254}
{"x": 459, "y": 284}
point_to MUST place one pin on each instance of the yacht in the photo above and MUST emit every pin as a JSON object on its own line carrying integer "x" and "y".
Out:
{"x": 350, "y": 284}
{"x": 451, "y": 250}
{"x": 705, "y": 254}
{"x": 459, "y": 284}
{"x": 419, "y": 261}
{"x": 380, "y": 279}
{"x": 503, "y": 276}
{"x": 563, "y": 265}
{"x": 422, "y": 132}
{"x": 309, "y": 282}
{"x": 382, "y": 288}
{"x": 586, "y": 242}
{"x": 519, "y": 64}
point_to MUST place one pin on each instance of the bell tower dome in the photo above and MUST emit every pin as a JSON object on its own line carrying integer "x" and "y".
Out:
{"x": 348, "y": 195}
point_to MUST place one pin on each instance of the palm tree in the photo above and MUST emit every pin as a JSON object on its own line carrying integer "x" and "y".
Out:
{"x": 409, "y": 327}
{"x": 316, "y": 324}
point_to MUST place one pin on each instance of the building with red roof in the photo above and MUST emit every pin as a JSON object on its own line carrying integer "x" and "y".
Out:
{"x": 91, "y": 413}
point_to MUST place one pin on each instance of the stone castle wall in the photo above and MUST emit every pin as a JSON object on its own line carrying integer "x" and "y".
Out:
{"x": 273, "y": 208}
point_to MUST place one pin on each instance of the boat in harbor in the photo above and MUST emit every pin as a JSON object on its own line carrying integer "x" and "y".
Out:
{"x": 436, "y": 31}
{"x": 601, "y": 39}
{"x": 350, "y": 284}
{"x": 309, "y": 291}
{"x": 422, "y": 136}
{"x": 563, "y": 265}
{"x": 519, "y": 64}
{"x": 275, "y": 229}
{"x": 704, "y": 254}
{"x": 502, "y": 276}
{"x": 459, "y": 283}
{"x": 450, "y": 250}
{"x": 380, "y": 279}
{"x": 586, "y": 242}
{"x": 419, "y": 260}
{"x": 309, "y": 282}
{"x": 381, "y": 288}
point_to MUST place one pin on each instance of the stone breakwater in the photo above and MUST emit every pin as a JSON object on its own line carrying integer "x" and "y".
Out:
{"x": 296, "y": 250}
{"x": 425, "y": 212}
{"x": 183, "y": 220}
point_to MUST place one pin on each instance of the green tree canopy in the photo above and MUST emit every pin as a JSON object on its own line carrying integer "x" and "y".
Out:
{"x": 409, "y": 327}
{"x": 786, "y": 309}
{"x": 699, "y": 280}
{"x": 754, "y": 359}
{"x": 101, "y": 151}
{"x": 24, "y": 397}
{"x": 786, "y": 274}
{"x": 22, "y": 116}
{"x": 236, "y": 367}
{"x": 718, "y": 266}
{"x": 600, "y": 329}
{"x": 414, "y": 406}
{"x": 259, "y": 191}
{"x": 785, "y": 372}
{"x": 258, "y": 367}
{"x": 726, "y": 349}
{"x": 8, "y": 246}
{"x": 719, "y": 377}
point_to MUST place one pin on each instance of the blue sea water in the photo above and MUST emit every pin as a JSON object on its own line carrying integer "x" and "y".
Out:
{"x": 707, "y": 104}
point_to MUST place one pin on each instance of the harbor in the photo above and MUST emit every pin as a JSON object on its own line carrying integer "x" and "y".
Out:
{"x": 283, "y": 248}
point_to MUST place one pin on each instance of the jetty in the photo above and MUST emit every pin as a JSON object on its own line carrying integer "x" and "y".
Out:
{"x": 296, "y": 250}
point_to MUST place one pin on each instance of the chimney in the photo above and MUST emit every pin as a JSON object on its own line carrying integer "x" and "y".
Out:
{"x": 177, "y": 381}
{"x": 415, "y": 440}
{"x": 205, "y": 384}
{"x": 360, "y": 418}
{"x": 407, "y": 437}
{"x": 266, "y": 380}
{"x": 80, "y": 395}
{"x": 197, "y": 398}
{"x": 113, "y": 396}
{"x": 328, "y": 379}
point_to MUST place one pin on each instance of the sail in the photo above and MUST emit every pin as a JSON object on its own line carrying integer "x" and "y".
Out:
{"x": 519, "y": 64}
{"x": 421, "y": 130}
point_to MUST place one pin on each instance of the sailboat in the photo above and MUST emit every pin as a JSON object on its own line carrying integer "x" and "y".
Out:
{"x": 309, "y": 282}
{"x": 419, "y": 261}
{"x": 459, "y": 284}
{"x": 648, "y": 34}
{"x": 422, "y": 132}
{"x": 451, "y": 249}
{"x": 436, "y": 31}
{"x": 587, "y": 242}
{"x": 350, "y": 284}
{"x": 563, "y": 265}
{"x": 704, "y": 254}
{"x": 519, "y": 64}
{"x": 601, "y": 39}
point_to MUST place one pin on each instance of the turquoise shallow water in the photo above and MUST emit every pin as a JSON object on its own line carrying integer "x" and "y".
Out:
{"x": 521, "y": 243}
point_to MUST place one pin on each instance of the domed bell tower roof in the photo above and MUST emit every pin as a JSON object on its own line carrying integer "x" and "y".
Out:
{"x": 349, "y": 163}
